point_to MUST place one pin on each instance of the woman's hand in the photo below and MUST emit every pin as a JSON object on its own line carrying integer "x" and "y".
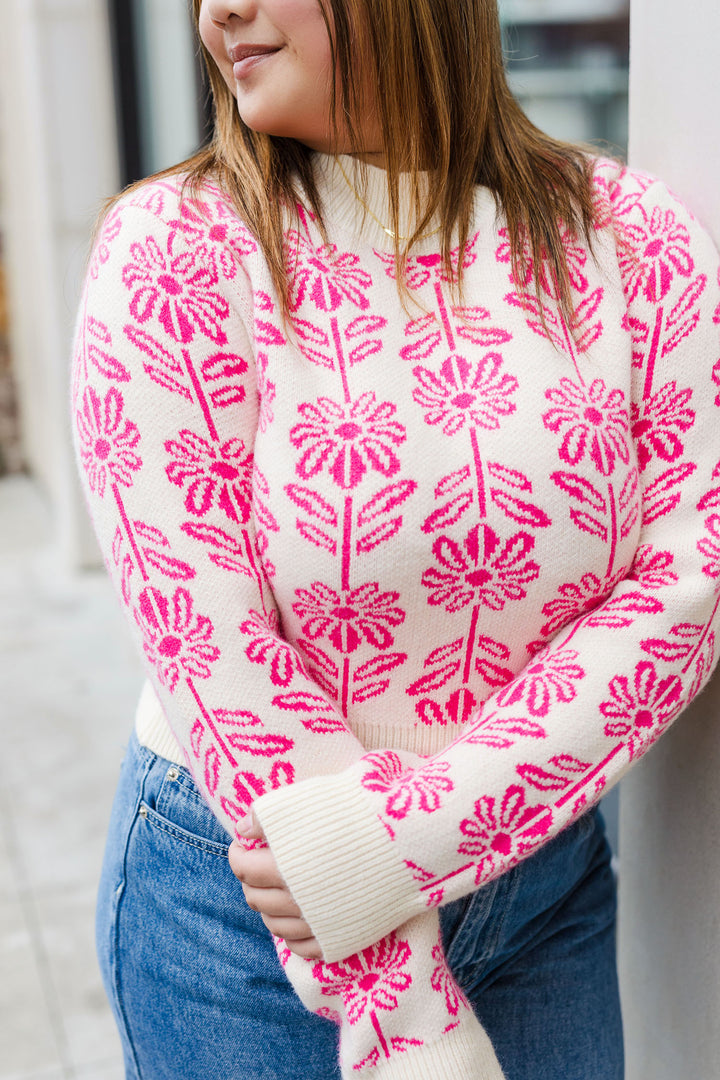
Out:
{"x": 266, "y": 892}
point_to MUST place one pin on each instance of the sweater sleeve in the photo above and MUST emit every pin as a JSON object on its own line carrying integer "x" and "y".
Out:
{"x": 595, "y": 696}
{"x": 165, "y": 411}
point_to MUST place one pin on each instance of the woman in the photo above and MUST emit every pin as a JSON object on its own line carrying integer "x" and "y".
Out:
{"x": 397, "y": 424}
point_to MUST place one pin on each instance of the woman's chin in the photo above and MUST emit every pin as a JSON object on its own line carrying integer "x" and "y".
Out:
{"x": 283, "y": 127}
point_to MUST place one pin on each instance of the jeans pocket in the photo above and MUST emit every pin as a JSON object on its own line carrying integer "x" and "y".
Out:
{"x": 174, "y": 803}
{"x": 461, "y": 924}
{"x": 506, "y": 911}
{"x": 194, "y": 838}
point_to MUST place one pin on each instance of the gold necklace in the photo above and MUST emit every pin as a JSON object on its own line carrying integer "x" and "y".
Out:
{"x": 376, "y": 219}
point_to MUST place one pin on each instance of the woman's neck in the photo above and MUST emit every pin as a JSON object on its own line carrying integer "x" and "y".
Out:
{"x": 377, "y": 158}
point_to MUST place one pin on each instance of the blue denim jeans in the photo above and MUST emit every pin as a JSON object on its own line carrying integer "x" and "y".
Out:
{"x": 198, "y": 992}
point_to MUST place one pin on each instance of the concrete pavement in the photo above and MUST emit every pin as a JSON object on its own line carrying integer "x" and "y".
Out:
{"x": 69, "y": 679}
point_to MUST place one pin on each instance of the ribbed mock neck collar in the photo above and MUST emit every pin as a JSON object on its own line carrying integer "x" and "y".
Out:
{"x": 342, "y": 198}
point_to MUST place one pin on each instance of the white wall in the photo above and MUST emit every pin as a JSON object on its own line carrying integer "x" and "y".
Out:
{"x": 58, "y": 163}
{"x": 670, "y": 805}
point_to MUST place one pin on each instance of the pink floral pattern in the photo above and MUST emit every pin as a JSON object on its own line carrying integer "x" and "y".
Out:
{"x": 107, "y": 440}
{"x": 180, "y": 291}
{"x": 549, "y": 680}
{"x": 710, "y": 547}
{"x": 410, "y": 509}
{"x": 575, "y": 253}
{"x": 463, "y": 394}
{"x": 658, "y": 425}
{"x": 483, "y": 570}
{"x": 214, "y": 228}
{"x": 348, "y": 439}
{"x": 652, "y": 568}
{"x": 593, "y": 422}
{"x": 443, "y": 983}
{"x": 639, "y": 708}
{"x": 652, "y": 253}
{"x": 422, "y": 789}
{"x": 268, "y": 650}
{"x": 325, "y": 276}
{"x": 347, "y": 618}
{"x": 574, "y": 600}
{"x": 493, "y": 830}
{"x": 110, "y": 230}
{"x": 370, "y": 980}
{"x": 266, "y": 393}
{"x": 424, "y": 268}
{"x": 176, "y": 639}
{"x": 213, "y": 475}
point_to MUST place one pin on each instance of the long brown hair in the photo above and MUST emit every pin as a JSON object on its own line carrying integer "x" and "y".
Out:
{"x": 444, "y": 108}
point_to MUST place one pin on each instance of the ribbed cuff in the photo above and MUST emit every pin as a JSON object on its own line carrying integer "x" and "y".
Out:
{"x": 465, "y": 1053}
{"x": 338, "y": 862}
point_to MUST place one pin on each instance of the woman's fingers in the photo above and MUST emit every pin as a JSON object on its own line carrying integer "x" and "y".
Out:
{"x": 308, "y": 949}
{"x": 266, "y": 892}
{"x": 277, "y": 903}
{"x": 290, "y": 930}
{"x": 256, "y": 868}
{"x": 250, "y": 827}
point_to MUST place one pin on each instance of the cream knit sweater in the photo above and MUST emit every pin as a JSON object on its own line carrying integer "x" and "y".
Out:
{"x": 418, "y": 585}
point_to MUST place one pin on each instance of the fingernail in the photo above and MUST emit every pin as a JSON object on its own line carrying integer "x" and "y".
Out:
{"x": 245, "y": 826}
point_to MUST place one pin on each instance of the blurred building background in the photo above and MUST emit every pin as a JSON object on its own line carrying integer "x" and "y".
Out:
{"x": 93, "y": 95}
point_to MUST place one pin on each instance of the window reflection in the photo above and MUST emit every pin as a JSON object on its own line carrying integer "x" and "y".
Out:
{"x": 568, "y": 66}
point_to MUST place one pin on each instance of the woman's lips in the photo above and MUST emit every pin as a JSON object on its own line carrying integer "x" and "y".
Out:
{"x": 246, "y": 57}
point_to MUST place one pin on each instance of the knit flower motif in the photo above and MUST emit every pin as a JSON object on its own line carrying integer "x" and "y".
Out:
{"x": 461, "y": 393}
{"x": 266, "y": 393}
{"x": 107, "y": 440}
{"x": 181, "y": 291}
{"x": 593, "y": 420}
{"x": 652, "y": 568}
{"x": 493, "y": 831}
{"x": 220, "y": 475}
{"x": 547, "y": 681}
{"x": 711, "y": 547}
{"x": 658, "y": 424}
{"x": 639, "y": 710}
{"x": 324, "y": 275}
{"x": 650, "y": 255}
{"x": 349, "y": 617}
{"x": 175, "y": 639}
{"x": 422, "y": 788}
{"x": 575, "y": 599}
{"x": 483, "y": 571}
{"x": 225, "y": 240}
{"x": 575, "y": 257}
{"x": 616, "y": 194}
{"x": 101, "y": 252}
{"x": 423, "y": 268}
{"x": 369, "y": 980}
{"x": 266, "y": 648}
{"x": 348, "y": 439}
{"x": 443, "y": 982}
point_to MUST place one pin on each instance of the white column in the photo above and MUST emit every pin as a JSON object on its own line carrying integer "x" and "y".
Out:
{"x": 58, "y": 163}
{"x": 669, "y": 942}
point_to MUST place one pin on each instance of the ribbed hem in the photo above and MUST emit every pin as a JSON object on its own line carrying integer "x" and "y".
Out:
{"x": 338, "y": 862}
{"x": 153, "y": 730}
{"x": 421, "y": 739}
{"x": 465, "y": 1053}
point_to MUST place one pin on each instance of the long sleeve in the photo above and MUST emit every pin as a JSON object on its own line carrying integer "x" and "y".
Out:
{"x": 615, "y": 654}
{"x": 167, "y": 402}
